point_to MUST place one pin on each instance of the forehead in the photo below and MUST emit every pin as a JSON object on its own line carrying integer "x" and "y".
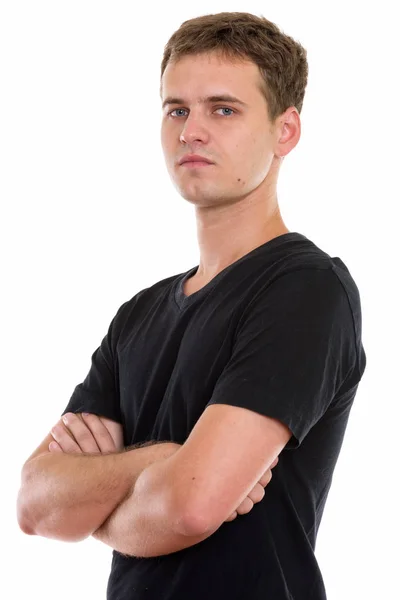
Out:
{"x": 209, "y": 76}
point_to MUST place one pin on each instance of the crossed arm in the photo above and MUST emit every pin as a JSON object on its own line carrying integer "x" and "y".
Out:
{"x": 72, "y": 490}
{"x": 69, "y": 491}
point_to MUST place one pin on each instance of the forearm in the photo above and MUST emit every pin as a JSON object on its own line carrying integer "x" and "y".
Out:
{"x": 146, "y": 524}
{"x": 68, "y": 496}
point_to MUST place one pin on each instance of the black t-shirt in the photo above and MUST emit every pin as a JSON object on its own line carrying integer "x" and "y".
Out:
{"x": 278, "y": 332}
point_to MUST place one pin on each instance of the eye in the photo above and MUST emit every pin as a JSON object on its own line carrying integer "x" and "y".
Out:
{"x": 226, "y": 108}
{"x": 172, "y": 111}
{"x": 221, "y": 108}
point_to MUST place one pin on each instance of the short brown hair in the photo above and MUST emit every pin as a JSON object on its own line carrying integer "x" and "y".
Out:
{"x": 282, "y": 61}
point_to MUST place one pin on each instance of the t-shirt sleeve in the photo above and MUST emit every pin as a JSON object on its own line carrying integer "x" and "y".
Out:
{"x": 294, "y": 348}
{"x": 99, "y": 392}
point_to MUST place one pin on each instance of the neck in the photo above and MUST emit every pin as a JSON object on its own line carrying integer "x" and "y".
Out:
{"x": 226, "y": 233}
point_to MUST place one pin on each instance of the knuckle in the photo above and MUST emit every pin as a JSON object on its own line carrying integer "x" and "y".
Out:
{"x": 58, "y": 431}
{"x": 232, "y": 516}
{"x": 245, "y": 507}
{"x": 248, "y": 505}
{"x": 266, "y": 478}
{"x": 104, "y": 444}
{"x": 84, "y": 435}
{"x": 257, "y": 493}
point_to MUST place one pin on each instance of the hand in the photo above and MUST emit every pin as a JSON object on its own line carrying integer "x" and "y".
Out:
{"x": 89, "y": 435}
{"x": 255, "y": 495}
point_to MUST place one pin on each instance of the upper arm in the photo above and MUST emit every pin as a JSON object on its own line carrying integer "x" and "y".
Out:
{"x": 227, "y": 452}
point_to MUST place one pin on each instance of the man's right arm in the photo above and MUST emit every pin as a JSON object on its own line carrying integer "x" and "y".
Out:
{"x": 68, "y": 496}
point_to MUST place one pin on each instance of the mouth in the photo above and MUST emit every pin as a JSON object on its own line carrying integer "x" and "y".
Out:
{"x": 196, "y": 163}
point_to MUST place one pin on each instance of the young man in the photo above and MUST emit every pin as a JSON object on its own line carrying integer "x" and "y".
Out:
{"x": 253, "y": 353}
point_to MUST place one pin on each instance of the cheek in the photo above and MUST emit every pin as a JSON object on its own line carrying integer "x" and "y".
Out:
{"x": 245, "y": 149}
{"x": 248, "y": 169}
{"x": 165, "y": 137}
{"x": 163, "y": 140}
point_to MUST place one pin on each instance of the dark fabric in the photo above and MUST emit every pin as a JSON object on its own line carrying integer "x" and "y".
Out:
{"x": 278, "y": 332}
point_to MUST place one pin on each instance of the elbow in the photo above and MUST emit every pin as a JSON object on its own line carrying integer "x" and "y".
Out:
{"x": 190, "y": 523}
{"x": 24, "y": 525}
{"x": 23, "y": 512}
{"x": 204, "y": 518}
{"x": 29, "y": 501}
{"x": 52, "y": 526}
{"x": 22, "y": 520}
{"x": 35, "y": 516}
{"x": 193, "y": 526}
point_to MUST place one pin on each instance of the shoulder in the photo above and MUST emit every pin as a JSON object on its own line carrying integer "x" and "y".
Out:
{"x": 299, "y": 291}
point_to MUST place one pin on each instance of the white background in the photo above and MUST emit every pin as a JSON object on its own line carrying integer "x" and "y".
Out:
{"x": 89, "y": 217}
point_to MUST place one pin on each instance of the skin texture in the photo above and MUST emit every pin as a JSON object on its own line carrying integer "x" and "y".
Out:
{"x": 68, "y": 495}
{"x": 235, "y": 199}
{"x": 96, "y": 434}
{"x": 80, "y": 433}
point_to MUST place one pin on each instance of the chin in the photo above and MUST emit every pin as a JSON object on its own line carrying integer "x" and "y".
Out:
{"x": 204, "y": 200}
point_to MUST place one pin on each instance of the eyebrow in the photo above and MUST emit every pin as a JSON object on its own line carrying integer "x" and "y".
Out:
{"x": 206, "y": 100}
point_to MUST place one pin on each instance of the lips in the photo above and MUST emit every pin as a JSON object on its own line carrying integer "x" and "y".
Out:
{"x": 205, "y": 162}
{"x": 196, "y": 158}
{"x": 194, "y": 164}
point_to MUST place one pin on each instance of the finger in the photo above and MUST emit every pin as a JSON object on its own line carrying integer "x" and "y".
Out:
{"x": 231, "y": 517}
{"x": 102, "y": 434}
{"x": 81, "y": 433}
{"x": 64, "y": 439}
{"x": 257, "y": 493}
{"x": 116, "y": 432}
{"x": 266, "y": 478}
{"x": 252, "y": 498}
{"x": 245, "y": 506}
{"x": 54, "y": 447}
{"x": 274, "y": 463}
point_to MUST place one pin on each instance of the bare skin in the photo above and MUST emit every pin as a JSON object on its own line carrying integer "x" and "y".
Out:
{"x": 235, "y": 198}
{"x": 89, "y": 435}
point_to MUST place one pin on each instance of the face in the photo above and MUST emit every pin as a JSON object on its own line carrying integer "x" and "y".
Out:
{"x": 236, "y": 137}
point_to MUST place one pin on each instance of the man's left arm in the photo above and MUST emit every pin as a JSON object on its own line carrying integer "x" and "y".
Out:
{"x": 150, "y": 522}
{"x": 145, "y": 523}
{"x": 153, "y": 518}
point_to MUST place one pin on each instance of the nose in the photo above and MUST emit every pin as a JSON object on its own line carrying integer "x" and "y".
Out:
{"x": 192, "y": 131}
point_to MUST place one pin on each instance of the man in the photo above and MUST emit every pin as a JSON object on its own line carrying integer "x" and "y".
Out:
{"x": 254, "y": 353}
